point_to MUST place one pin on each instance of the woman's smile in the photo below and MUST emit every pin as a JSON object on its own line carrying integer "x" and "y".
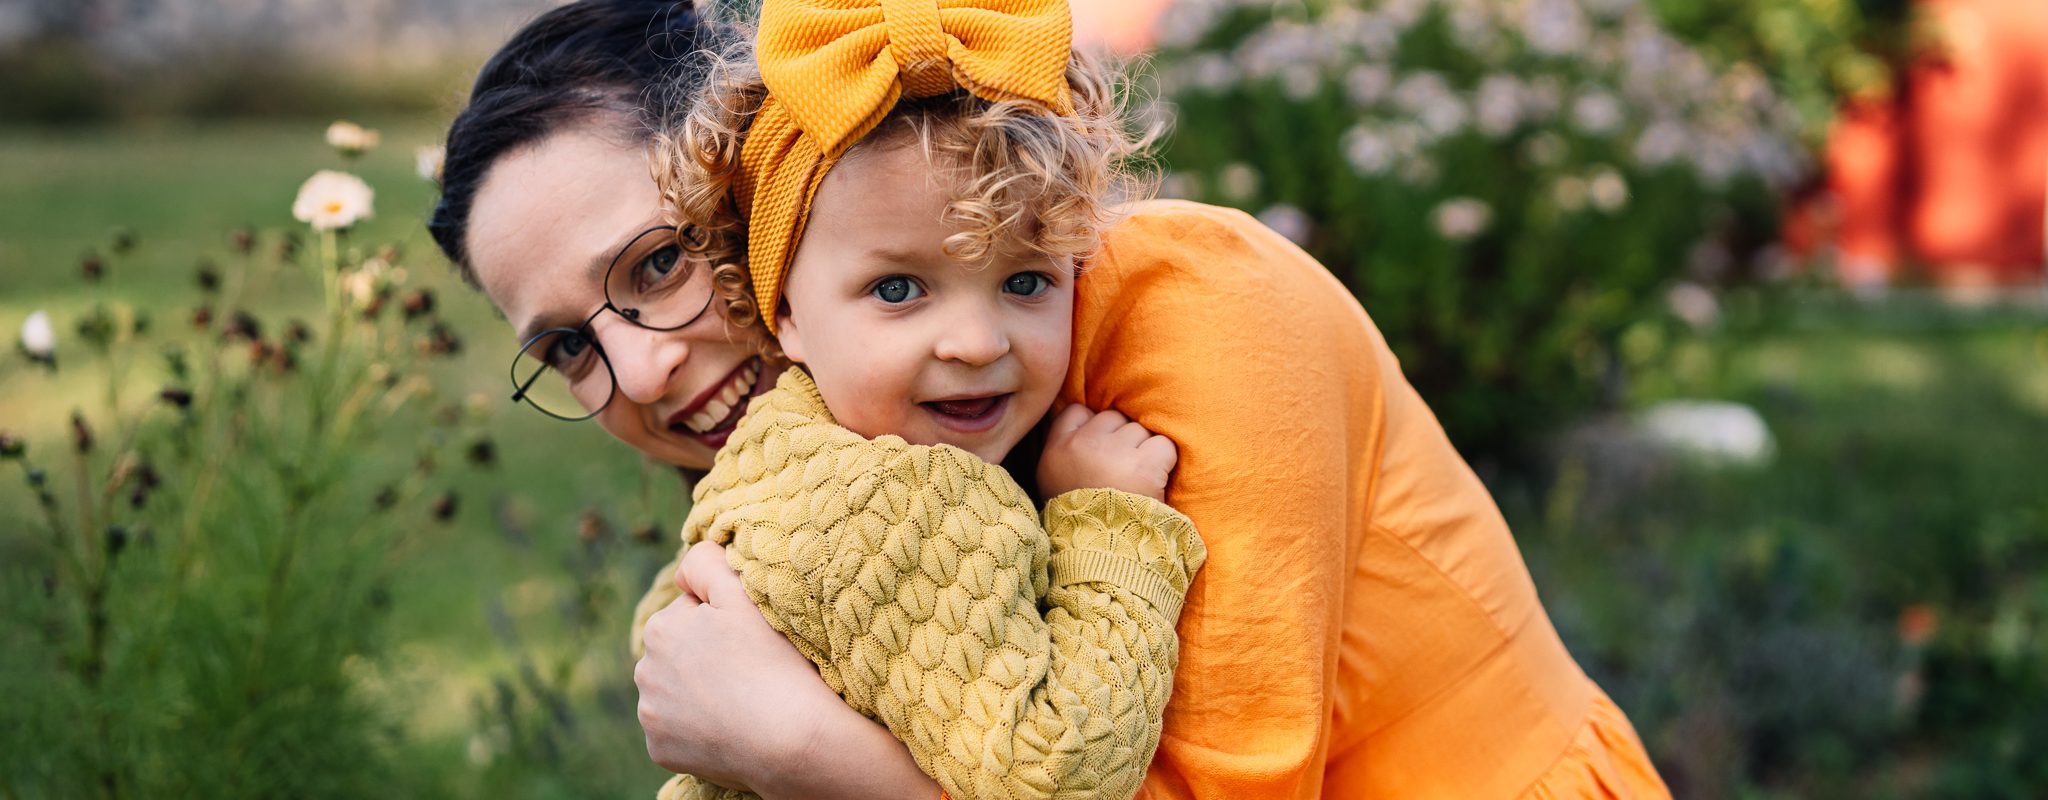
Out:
{"x": 712, "y": 415}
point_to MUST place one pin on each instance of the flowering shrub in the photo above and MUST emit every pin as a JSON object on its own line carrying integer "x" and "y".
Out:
{"x": 1505, "y": 185}
{"x": 195, "y": 595}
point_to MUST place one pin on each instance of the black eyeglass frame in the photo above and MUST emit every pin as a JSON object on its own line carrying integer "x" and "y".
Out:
{"x": 686, "y": 239}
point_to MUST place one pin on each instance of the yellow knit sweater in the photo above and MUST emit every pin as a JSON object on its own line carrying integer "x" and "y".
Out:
{"x": 914, "y": 577}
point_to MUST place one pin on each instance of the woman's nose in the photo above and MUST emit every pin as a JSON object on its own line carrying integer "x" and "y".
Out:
{"x": 644, "y": 362}
{"x": 974, "y": 338}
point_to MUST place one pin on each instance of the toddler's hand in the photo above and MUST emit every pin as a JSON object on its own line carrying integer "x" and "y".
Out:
{"x": 1104, "y": 450}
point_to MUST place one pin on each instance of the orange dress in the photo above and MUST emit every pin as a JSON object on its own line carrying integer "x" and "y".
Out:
{"x": 1364, "y": 626}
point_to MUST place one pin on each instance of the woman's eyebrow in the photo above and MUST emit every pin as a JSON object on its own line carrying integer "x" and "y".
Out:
{"x": 593, "y": 274}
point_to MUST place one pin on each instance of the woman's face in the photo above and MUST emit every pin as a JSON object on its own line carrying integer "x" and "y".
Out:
{"x": 543, "y": 230}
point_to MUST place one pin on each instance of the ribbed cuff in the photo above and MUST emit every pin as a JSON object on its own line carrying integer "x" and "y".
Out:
{"x": 1088, "y": 566}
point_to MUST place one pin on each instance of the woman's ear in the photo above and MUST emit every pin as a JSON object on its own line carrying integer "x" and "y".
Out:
{"x": 787, "y": 336}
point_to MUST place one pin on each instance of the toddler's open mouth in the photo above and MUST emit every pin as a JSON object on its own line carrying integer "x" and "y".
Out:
{"x": 969, "y": 414}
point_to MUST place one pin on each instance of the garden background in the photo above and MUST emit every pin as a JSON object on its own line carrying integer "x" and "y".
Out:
{"x": 268, "y": 525}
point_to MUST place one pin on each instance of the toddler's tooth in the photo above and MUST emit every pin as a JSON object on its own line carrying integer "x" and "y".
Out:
{"x": 699, "y": 422}
{"x": 716, "y": 410}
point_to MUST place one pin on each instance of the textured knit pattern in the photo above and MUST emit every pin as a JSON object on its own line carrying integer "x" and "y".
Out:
{"x": 835, "y": 68}
{"x": 914, "y": 577}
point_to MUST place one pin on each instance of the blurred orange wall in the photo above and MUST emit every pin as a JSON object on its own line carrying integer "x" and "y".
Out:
{"x": 1954, "y": 175}
{"x": 1122, "y": 26}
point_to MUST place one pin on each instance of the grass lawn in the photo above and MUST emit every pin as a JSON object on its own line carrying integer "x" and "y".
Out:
{"x": 1861, "y": 616}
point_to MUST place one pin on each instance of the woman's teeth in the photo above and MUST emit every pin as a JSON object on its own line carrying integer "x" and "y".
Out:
{"x": 728, "y": 398}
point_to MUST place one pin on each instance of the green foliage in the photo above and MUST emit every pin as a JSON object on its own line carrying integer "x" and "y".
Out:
{"x": 1506, "y": 187}
{"x": 1862, "y": 617}
{"x": 1817, "y": 52}
{"x": 200, "y": 606}
{"x": 255, "y": 514}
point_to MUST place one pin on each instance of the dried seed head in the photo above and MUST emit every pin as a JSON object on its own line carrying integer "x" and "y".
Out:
{"x": 11, "y": 446}
{"x": 208, "y": 276}
{"x": 441, "y": 341}
{"x": 92, "y": 267}
{"x": 418, "y": 303}
{"x": 122, "y": 241}
{"x": 483, "y": 453}
{"x": 175, "y": 396}
{"x": 648, "y": 532}
{"x": 445, "y": 506}
{"x": 243, "y": 241}
{"x": 243, "y": 325}
{"x": 81, "y": 435}
{"x": 593, "y": 526}
{"x": 202, "y": 318}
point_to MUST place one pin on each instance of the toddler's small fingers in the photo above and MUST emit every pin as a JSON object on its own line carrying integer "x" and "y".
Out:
{"x": 1133, "y": 434}
{"x": 1161, "y": 448}
{"x": 1104, "y": 423}
{"x": 1069, "y": 420}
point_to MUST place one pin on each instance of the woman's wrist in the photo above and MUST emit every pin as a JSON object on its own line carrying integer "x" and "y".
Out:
{"x": 843, "y": 756}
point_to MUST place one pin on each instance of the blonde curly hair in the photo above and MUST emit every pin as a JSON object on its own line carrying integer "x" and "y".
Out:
{"x": 1021, "y": 176}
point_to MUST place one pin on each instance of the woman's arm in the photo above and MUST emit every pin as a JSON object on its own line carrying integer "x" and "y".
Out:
{"x": 725, "y": 697}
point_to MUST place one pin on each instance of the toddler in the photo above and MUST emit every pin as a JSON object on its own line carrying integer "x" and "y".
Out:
{"x": 913, "y": 245}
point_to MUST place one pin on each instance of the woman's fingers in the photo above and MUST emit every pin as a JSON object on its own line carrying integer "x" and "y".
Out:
{"x": 705, "y": 575}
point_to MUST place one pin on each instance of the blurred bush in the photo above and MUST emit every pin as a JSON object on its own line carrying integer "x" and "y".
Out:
{"x": 67, "y": 82}
{"x": 1506, "y": 186}
{"x": 1816, "y": 52}
{"x": 1860, "y": 618}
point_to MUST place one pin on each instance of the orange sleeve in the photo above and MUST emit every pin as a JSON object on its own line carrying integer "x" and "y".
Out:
{"x": 1214, "y": 331}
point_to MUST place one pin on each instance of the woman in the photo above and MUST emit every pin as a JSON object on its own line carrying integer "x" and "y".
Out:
{"x": 1364, "y": 627}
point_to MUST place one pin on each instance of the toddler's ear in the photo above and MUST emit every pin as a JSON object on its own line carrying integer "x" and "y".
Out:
{"x": 787, "y": 336}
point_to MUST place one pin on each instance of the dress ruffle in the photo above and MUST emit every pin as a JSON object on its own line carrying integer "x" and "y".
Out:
{"x": 1605, "y": 760}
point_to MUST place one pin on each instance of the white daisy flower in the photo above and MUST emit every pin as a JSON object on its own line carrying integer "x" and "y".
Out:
{"x": 332, "y": 200}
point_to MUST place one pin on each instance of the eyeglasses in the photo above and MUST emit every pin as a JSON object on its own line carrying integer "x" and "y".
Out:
{"x": 653, "y": 283}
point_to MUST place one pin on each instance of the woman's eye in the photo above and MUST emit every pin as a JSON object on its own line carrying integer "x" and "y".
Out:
{"x": 1029, "y": 284}
{"x": 566, "y": 351}
{"x": 659, "y": 266}
{"x": 896, "y": 290}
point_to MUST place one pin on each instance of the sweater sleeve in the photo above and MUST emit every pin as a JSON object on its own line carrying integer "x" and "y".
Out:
{"x": 926, "y": 615}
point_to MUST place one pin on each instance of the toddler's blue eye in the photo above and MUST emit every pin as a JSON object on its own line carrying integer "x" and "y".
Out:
{"x": 896, "y": 290}
{"x": 1027, "y": 283}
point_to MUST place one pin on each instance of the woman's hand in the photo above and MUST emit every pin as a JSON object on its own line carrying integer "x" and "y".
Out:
{"x": 726, "y": 698}
{"x": 1087, "y": 449}
{"x": 721, "y": 693}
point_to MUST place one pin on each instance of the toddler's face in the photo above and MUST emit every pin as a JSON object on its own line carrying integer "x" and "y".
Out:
{"x": 903, "y": 339}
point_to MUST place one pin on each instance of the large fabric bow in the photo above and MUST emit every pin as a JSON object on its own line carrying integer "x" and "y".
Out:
{"x": 835, "y": 68}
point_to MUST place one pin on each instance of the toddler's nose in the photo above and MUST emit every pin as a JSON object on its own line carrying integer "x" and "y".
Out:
{"x": 973, "y": 340}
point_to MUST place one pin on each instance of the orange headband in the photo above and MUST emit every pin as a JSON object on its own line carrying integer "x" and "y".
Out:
{"x": 835, "y": 68}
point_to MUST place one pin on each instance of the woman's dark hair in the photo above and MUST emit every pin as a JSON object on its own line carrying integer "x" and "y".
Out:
{"x": 627, "y": 60}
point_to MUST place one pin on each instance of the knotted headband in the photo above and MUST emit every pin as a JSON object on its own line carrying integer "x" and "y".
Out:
{"x": 835, "y": 68}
